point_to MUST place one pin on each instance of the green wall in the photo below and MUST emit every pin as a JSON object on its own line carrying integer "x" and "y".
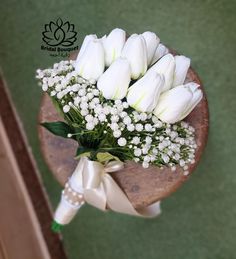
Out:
{"x": 198, "y": 221}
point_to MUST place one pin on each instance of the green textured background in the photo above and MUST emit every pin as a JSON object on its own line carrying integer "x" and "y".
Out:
{"x": 198, "y": 221}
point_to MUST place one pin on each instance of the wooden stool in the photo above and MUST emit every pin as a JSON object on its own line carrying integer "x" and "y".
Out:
{"x": 142, "y": 186}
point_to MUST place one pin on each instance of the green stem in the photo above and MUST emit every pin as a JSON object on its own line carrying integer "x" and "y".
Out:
{"x": 56, "y": 227}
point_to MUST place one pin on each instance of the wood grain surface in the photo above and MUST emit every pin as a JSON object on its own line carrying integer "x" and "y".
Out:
{"x": 142, "y": 186}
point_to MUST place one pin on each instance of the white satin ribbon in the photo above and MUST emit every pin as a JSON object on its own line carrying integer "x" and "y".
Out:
{"x": 100, "y": 190}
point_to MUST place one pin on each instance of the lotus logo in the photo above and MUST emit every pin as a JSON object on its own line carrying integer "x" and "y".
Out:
{"x": 59, "y": 33}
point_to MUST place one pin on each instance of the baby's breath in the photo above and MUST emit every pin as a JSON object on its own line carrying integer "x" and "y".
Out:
{"x": 113, "y": 126}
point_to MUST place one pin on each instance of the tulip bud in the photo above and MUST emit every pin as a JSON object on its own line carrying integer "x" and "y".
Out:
{"x": 143, "y": 95}
{"x": 159, "y": 53}
{"x": 135, "y": 50}
{"x": 197, "y": 97}
{"x": 166, "y": 67}
{"x": 182, "y": 64}
{"x": 114, "y": 82}
{"x": 174, "y": 105}
{"x": 90, "y": 65}
{"x": 152, "y": 42}
{"x": 87, "y": 39}
{"x": 113, "y": 45}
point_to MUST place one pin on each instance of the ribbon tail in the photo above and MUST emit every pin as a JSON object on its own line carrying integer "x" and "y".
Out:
{"x": 94, "y": 192}
{"x": 76, "y": 180}
{"x": 119, "y": 202}
{"x": 96, "y": 197}
{"x": 150, "y": 211}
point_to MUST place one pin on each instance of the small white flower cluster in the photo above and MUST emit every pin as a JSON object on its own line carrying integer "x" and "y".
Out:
{"x": 116, "y": 126}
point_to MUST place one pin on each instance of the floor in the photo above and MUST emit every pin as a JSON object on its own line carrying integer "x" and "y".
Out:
{"x": 19, "y": 216}
{"x": 198, "y": 221}
{"x": 25, "y": 212}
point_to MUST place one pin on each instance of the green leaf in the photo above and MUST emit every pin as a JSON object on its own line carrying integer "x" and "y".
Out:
{"x": 58, "y": 128}
{"x": 106, "y": 157}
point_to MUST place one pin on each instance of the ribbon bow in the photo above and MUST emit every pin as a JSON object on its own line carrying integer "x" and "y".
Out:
{"x": 92, "y": 181}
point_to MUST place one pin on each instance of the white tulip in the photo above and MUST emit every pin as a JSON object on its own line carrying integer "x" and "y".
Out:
{"x": 166, "y": 67}
{"x": 114, "y": 82}
{"x": 174, "y": 105}
{"x": 159, "y": 53}
{"x": 182, "y": 64}
{"x": 197, "y": 97}
{"x": 143, "y": 94}
{"x": 113, "y": 45}
{"x": 87, "y": 39}
{"x": 91, "y": 64}
{"x": 135, "y": 50}
{"x": 152, "y": 42}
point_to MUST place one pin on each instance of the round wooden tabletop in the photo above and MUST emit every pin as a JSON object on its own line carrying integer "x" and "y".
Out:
{"x": 142, "y": 186}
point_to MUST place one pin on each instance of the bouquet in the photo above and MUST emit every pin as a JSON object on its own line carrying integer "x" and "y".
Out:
{"x": 121, "y": 99}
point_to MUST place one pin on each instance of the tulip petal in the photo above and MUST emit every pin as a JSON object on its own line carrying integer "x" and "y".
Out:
{"x": 152, "y": 42}
{"x": 197, "y": 97}
{"x": 135, "y": 50}
{"x": 161, "y": 50}
{"x": 173, "y": 103}
{"x": 182, "y": 65}
{"x": 166, "y": 67}
{"x": 113, "y": 45}
{"x": 91, "y": 64}
{"x": 192, "y": 86}
{"x": 87, "y": 39}
{"x": 143, "y": 95}
{"x": 114, "y": 82}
